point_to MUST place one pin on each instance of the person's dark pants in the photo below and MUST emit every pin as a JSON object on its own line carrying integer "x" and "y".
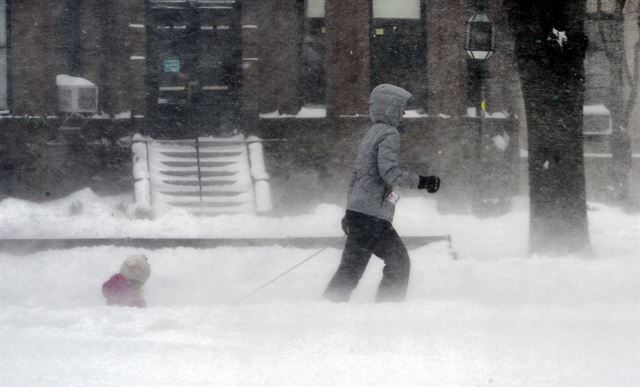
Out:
{"x": 368, "y": 235}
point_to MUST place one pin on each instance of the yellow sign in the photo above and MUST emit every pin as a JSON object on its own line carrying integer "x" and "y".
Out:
{"x": 379, "y": 31}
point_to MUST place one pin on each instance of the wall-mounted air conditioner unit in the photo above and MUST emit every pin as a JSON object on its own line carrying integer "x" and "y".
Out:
{"x": 76, "y": 95}
{"x": 596, "y": 120}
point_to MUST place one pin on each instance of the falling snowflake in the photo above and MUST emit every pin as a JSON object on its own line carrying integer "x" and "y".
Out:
{"x": 557, "y": 36}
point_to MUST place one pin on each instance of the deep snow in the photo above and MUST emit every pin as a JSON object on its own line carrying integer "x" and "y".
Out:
{"x": 494, "y": 317}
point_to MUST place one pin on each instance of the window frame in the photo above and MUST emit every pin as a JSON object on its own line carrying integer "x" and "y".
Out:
{"x": 307, "y": 99}
{"x": 4, "y": 57}
{"x": 420, "y": 94}
{"x": 419, "y": 17}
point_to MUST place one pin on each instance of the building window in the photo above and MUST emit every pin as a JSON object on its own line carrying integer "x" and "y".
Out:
{"x": 604, "y": 6}
{"x": 3, "y": 56}
{"x": 396, "y": 9}
{"x": 313, "y": 73}
{"x": 397, "y": 46}
{"x": 68, "y": 37}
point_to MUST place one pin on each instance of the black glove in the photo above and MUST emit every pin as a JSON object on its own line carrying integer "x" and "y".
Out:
{"x": 345, "y": 228}
{"x": 430, "y": 183}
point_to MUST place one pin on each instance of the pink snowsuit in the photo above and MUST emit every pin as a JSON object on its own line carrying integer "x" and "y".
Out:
{"x": 120, "y": 291}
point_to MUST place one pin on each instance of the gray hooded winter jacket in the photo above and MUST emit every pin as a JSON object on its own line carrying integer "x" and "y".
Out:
{"x": 376, "y": 171}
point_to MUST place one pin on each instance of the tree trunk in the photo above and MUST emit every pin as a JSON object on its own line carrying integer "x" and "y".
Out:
{"x": 610, "y": 28}
{"x": 552, "y": 75}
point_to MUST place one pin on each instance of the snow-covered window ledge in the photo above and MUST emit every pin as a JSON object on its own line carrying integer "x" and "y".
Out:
{"x": 355, "y": 115}
{"x": 122, "y": 116}
{"x": 305, "y": 112}
{"x": 471, "y": 112}
{"x": 409, "y": 114}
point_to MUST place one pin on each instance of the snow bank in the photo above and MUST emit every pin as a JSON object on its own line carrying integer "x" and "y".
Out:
{"x": 87, "y": 215}
{"x": 492, "y": 318}
{"x": 305, "y": 112}
{"x": 545, "y": 322}
{"x": 219, "y": 276}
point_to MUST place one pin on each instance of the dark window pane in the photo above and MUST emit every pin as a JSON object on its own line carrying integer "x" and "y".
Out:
{"x": 398, "y": 56}
{"x": 313, "y": 72}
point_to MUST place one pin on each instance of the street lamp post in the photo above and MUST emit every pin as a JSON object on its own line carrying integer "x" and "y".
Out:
{"x": 479, "y": 41}
{"x": 479, "y": 44}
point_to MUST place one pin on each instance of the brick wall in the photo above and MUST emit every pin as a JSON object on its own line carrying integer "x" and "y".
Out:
{"x": 447, "y": 61}
{"x": 347, "y": 61}
{"x": 113, "y": 55}
{"x": 32, "y": 65}
{"x": 279, "y": 27}
{"x": 106, "y": 44}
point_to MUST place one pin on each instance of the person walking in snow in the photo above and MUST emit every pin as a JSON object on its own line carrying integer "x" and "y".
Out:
{"x": 125, "y": 288}
{"x": 372, "y": 199}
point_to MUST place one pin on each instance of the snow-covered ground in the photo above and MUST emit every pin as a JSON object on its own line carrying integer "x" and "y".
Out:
{"x": 494, "y": 317}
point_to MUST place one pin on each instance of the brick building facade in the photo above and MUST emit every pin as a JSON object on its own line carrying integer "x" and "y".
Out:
{"x": 178, "y": 68}
{"x": 110, "y": 44}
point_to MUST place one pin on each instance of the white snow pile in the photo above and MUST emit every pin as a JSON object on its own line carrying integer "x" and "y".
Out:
{"x": 69, "y": 81}
{"x": 494, "y": 317}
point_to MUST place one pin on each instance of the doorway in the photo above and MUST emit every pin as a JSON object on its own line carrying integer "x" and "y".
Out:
{"x": 398, "y": 46}
{"x": 194, "y": 65}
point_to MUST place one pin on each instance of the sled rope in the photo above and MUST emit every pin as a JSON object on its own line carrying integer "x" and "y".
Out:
{"x": 280, "y": 275}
